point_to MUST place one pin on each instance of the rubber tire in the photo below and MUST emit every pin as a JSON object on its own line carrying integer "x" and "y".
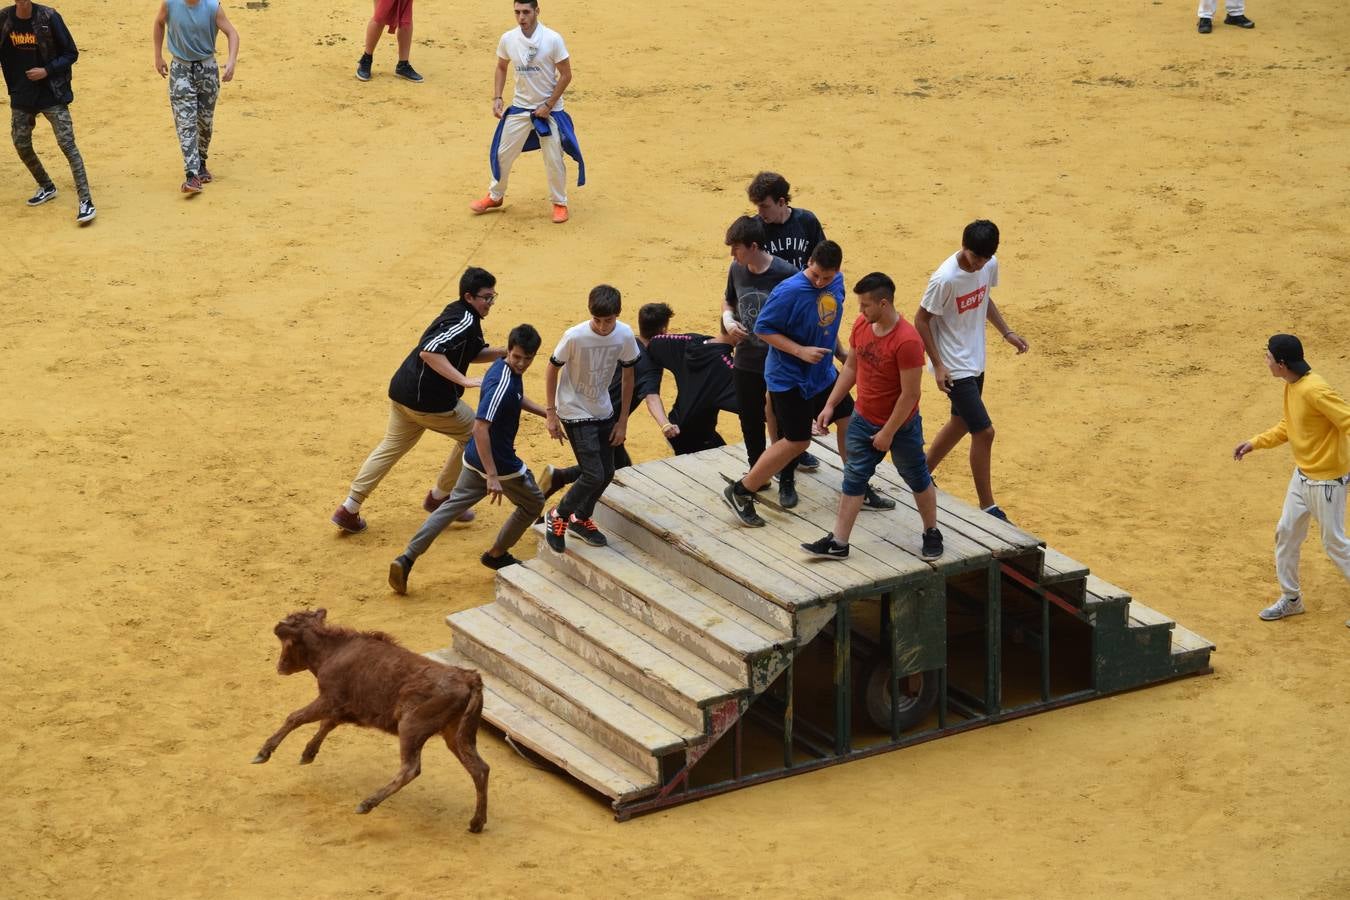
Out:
{"x": 914, "y": 708}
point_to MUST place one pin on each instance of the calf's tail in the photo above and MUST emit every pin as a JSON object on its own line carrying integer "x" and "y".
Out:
{"x": 467, "y": 732}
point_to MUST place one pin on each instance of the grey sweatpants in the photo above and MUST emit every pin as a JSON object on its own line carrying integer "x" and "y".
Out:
{"x": 471, "y": 488}
{"x": 21, "y": 130}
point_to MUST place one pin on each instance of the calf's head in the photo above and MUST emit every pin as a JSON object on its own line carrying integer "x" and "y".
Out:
{"x": 292, "y": 631}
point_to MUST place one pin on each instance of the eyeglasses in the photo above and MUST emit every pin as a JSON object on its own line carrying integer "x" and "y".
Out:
{"x": 489, "y": 299}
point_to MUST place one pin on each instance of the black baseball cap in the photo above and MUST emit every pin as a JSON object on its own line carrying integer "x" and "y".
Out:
{"x": 1287, "y": 350}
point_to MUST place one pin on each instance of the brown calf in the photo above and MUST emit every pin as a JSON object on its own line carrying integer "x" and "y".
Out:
{"x": 367, "y": 678}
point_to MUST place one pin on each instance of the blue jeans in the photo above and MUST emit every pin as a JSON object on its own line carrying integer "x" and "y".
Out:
{"x": 906, "y": 452}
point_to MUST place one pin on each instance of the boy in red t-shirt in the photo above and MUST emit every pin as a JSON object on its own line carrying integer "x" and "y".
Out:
{"x": 886, "y": 362}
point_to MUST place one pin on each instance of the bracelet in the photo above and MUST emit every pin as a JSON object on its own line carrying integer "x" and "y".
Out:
{"x": 667, "y": 425}
{"x": 550, "y": 409}
{"x": 496, "y": 98}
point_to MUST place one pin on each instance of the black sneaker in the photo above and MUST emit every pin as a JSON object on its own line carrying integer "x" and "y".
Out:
{"x": 787, "y": 493}
{"x": 932, "y": 544}
{"x": 363, "y": 67}
{"x": 86, "y": 213}
{"x": 44, "y": 193}
{"x": 1204, "y": 26}
{"x": 743, "y": 505}
{"x": 873, "y": 500}
{"x": 555, "y": 531}
{"x": 498, "y": 562}
{"x": 808, "y": 462}
{"x": 1240, "y": 21}
{"x": 398, "y": 574}
{"x": 829, "y": 548}
{"x": 405, "y": 70}
{"x": 588, "y": 531}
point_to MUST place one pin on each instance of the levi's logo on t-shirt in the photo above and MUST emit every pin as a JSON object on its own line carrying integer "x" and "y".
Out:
{"x": 967, "y": 302}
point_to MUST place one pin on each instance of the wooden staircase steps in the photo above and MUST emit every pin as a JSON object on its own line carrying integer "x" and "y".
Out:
{"x": 554, "y": 739}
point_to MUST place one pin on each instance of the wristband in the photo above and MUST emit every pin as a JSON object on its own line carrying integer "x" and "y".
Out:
{"x": 550, "y": 409}
{"x": 728, "y": 319}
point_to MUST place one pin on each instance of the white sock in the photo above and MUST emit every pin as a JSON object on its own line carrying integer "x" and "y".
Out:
{"x": 438, "y": 494}
{"x": 351, "y": 505}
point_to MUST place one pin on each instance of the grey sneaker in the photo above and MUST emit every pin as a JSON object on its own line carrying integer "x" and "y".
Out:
{"x": 743, "y": 505}
{"x": 44, "y": 193}
{"x": 808, "y": 462}
{"x": 1283, "y": 608}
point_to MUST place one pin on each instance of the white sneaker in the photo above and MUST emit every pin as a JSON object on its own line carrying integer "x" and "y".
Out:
{"x": 1283, "y": 608}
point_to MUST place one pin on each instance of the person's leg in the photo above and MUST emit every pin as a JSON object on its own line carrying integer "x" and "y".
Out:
{"x": 585, "y": 440}
{"x": 514, "y": 133}
{"x": 981, "y": 465}
{"x": 1289, "y": 536}
{"x": 1206, "y": 10}
{"x": 554, "y": 164}
{"x": 401, "y": 435}
{"x": 374, "y": 28}
{"x": 1329, "y": 509}
{"x": 529, "y": 502}
{"x": 604, "y": 430}
{"x": 458, "y": 426}
{"x": 1233, "y": 7}
{"x": 208, "y": 91}
{"x": 948, "y": 436}
{"x": 751, "y": 397}
{"x": 621, "y": 458}
{"x": 469, "y": 490}
{"x": 794, "y": 421}
{"x": 183, "y": 103}
{"x": 404, "y": 36}
{"x": 859, "y": 467}
{"x": 63, "y": 126}
{"x": 21, "y": 131}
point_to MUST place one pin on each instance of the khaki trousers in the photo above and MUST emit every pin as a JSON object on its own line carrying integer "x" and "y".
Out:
{"x": 405, "y": 429}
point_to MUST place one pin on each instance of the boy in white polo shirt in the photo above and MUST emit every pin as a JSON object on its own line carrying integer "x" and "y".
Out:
{"x": 951, "y": 320}
{"x": 578, "y": 403}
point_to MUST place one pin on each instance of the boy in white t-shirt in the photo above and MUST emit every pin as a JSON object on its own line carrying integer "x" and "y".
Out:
{"x": 580, "y": 406}
{"x": 543, "y": 71}
{"x": 951, "y": 319}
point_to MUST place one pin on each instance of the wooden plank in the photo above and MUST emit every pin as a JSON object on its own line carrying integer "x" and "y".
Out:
{"x": 900, "y": 528}
{"x": 1059, "y": 567}
{"x": 691, "y": 563}
{"x": 693, "y": 498}
{"x": 786, "y": 531}
{"x": 563, "y": 745}
{"x": 646, "y": 650}
{"x": 1099, "y": 590}
{"x": 744, "y": 565}
{"x": 1186, "y": 641}
{"x": 718, "y": 631}
{"x": 1143, "y": 615}
{"x": 592, "y": 699}
{"x": 1001, "y": 538}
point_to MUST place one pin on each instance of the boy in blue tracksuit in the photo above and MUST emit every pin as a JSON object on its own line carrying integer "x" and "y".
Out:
{"x": 491, "y": 466}
{"x": 800, "y": 323}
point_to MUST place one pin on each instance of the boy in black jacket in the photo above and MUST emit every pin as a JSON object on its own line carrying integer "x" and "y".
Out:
{"x": 36, "y": 54}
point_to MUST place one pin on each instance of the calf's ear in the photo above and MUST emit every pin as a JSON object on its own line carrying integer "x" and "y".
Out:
{"x": 320, "y": 614}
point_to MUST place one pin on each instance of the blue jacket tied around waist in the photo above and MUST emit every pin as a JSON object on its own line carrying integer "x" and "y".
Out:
{"x": 566, "y": 132}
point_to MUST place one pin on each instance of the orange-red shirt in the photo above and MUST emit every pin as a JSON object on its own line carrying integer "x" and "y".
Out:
{"x": 880, "y": 361}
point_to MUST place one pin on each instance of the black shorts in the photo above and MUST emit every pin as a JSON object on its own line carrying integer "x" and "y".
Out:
{"x": 968, "y": 403}
{"x": 795, "y": 413}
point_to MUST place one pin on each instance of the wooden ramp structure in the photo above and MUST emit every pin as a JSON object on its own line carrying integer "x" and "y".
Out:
{"x": 692, "y": 655}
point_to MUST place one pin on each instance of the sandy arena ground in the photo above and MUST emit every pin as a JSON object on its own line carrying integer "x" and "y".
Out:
{"x": 191, "y": 384}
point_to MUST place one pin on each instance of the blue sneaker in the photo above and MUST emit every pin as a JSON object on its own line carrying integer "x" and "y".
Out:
{"x": 808, "y": 462}
{"x": 997, "y": 513}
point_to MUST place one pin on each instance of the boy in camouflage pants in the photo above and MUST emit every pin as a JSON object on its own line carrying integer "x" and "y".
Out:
{"x": 194, "y": 78}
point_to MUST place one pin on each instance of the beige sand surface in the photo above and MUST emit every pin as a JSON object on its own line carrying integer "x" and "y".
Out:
{"x": 190, "y": 385}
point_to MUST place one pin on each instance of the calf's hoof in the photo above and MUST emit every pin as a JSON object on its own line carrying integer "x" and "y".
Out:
{"x": 261, "y": 758}
{"x": 476, "y": 826}
{"x": 306, "y": 760}
{"x": 364, "y": 807}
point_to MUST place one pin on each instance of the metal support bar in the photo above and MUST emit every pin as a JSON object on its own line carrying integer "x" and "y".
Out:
{"x": 942, "y": 697}
{"x": 890, "y": 630}
{"x": 1045, "y": 648}
{"x": 787, "y": 712}
{"x": 993, "y": 641}
{"x": 738, "y": 746}
{"x": 843, "y": 665}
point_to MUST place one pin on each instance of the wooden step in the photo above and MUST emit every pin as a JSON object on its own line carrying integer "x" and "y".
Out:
{"x": 570, "y": 687}
{"x": 1141, "y": 615}
{"x": 715, "y": 629}
{"x": 1099, "y": 593}
{"x": 614, "y": 641}
{"x": 533, "y": 726}
{"x": 723, "y": 557}
{"x": 1185, "y": 641}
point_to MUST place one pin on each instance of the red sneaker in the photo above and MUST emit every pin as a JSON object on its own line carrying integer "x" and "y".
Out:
{"x": 559, "y": 214}
{"x": 350, "y": 522}
{"x": 483, "y": 205}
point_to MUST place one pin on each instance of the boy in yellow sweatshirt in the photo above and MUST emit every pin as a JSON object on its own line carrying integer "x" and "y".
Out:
{"x": 1316, "y": 424}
